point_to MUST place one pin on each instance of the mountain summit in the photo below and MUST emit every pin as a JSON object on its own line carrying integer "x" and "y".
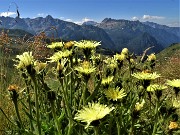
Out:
{"x": 113, "y": 34}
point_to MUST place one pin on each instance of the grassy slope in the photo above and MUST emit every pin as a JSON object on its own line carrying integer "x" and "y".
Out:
{"x": 168, "y": 62}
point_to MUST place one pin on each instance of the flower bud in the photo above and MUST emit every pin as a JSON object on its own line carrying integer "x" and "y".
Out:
{"x": 125, "y": 51}
{"x": 13, "y": 91}
{"x": 151, "y": 57}
{"x": 139, "y": 106}
{"x": 173, "y": 125}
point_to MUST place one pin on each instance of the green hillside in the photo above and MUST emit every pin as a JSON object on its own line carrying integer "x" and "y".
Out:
{"x": 172, "y": 50}
{"x": 168, "y": 61}
{"x": 16, "y": 33}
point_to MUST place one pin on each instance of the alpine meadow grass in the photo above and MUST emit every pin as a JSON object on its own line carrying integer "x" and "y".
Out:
{"x": 68, "y": 89}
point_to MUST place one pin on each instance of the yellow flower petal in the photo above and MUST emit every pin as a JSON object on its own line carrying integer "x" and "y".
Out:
{"x": 115, "y": 94}
{"x": 92, "y": 112}
{"x": 174, "y": 83}
{"x": 146, "y": 76}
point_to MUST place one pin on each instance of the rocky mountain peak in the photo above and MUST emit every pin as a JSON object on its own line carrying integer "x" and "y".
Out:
{"x": 93, "y": 23}
{"x": 106, "y": 20}
{"x": 113, "y": 34}
{"x": 49, "y": 17}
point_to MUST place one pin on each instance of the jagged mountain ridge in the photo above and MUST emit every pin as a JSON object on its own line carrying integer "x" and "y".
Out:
{"x": 59, "y": 29}
{"x": 125, "y": 33}
{"x": 93, "y": 23}
{"x": 114, "y": 34}
{"x": 173, "y": 30}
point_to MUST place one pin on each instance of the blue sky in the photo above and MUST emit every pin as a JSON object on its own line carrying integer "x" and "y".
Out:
{"x": 159, "y": 11}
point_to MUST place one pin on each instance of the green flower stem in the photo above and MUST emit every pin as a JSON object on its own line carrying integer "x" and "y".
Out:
{"x": 83, "y": 97}
{"x": 156, "y": 118}
{"x": 67, "y": 108}
{"x": 130, "y": 71}
{"x": 71, "y": 83}
{"x": 30, "y": 108}
{"x": 96, "y": 130}
{"x": 84, "y": 93}
{"x": 55, "y": 118}
{"x": 17, "y": 112}
{"x": 131, "y": 117}
{"x": 70, "y": 127}
{"x": 65, "y": 99}
{"x": 61, "y": 117}
{"x": 118, "y": 126}
{"x": 37, "y": 105}
{"x": 132, "y": 127}
{"x": 111, "y": 123}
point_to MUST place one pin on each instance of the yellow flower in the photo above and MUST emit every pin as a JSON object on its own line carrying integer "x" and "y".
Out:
{"x": 56, "y": 45}
{"x": 85, "y": 68}
{"x": 59, "y": 67}
{"x": 111, "y": 63}
{"x": 174, "y": 83}
{"x": 125, "y": 51}
{"x": 107, "y": 80}
{"x": 115, "y": 94}
{"x": 25, "y": 60}
{"x": 13, "y": 87}
{"x": 132, "y": 61}
{"x": 87, "y": 44}
{"x": 39, "y": 66}
{"x": 59, "y": 55}
{"x": 151, "y": 57}
{"x": 146, "y": 76}
{"x": 154, "y": 87}
{"x": 139, "y": 106}
{"x": 92, "y": 112}
{"x": 176, "y": 103}
{"x": 120, "y": 57}
{"x": 173, "y": 125}
{"x": 69, "y": 44}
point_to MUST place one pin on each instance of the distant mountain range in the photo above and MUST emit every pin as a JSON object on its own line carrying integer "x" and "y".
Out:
{"x": 113, "y": 34}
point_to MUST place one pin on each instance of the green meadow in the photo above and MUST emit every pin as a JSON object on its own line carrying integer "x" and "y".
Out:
{"x": 71, "y": 88}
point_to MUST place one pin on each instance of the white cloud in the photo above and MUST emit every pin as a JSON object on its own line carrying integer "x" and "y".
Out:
{"x": 83, "y": 20}
{"x": 86, "y": 19}
{"x": 41, "y": 14}
{"x": 68, "y": 20}
{"x": 135, "y": 18}
{"x": 174, "y": 24}
{"x": 5, "y": 14}
{"x": 77, "y": 22}
{"x": 61, "y": 18}
{"x": 149, "y": 17}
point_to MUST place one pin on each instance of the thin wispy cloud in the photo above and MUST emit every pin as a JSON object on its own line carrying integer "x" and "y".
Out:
{"x": 86, "y": 19}
{"x": 135, "y": 18}
{"x": 83, "y": 20}
{"x": 69, "y": 20}
{"x": 149, "y": 17}
{"x": 61, "y": 17}
{"x": 6, "y": 14}
{"x": 42, "y": 14}
{"x": 77, "y": 22}
{"x": 174, "y": 24}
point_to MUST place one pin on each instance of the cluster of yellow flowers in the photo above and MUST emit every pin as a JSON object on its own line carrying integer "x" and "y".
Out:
{"x": 85, "y": 67}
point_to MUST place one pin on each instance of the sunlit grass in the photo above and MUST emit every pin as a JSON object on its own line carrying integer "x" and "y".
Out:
{"x": 74, "y": 91}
